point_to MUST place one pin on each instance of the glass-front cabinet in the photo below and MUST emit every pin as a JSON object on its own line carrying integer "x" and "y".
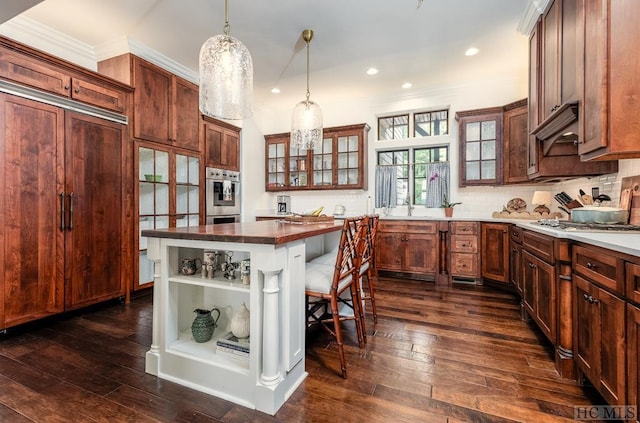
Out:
{"x": 168, "y": 194}
{"x": 480, "y": 147}
{"x": 339, "y": 162}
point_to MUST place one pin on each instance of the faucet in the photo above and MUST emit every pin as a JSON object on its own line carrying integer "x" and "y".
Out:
{"x": 409, "y": 206}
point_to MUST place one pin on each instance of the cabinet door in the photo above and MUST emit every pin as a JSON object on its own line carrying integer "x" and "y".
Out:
{"x": 322, "y": 159}
{"x": 421, "y": 253}
{"x": 528, "y": 282}
{"x": 495, "y": 251}
{"x": 612, "y": 341}
{"x": 389, "y": 251}
{"x": 98, "y": 95}
{"x": 534, "y": 98}
{"x": 516, "y": 140}
{"x": 480, "y": 150}
{"x": 348, "y": 168}
{"x": 587, "y": 328}
{"x": 152, "y": 102}
{"x": 31, "y": 177}
{"x": 551, "y": 53}
{"x": 94, "y": 181}
{"x": 186, "y": 122}
{"x": 298, "y": 168}
{"x": 545, "y": 306}
{"x": 275, "y": 164}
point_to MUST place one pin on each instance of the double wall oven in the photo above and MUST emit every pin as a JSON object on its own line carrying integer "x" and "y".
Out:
{"x": 222, "y": 196}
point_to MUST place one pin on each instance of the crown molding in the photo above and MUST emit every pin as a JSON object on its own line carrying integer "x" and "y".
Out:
{"x": 534, "y": 9}
{"x": 34, "y": 34}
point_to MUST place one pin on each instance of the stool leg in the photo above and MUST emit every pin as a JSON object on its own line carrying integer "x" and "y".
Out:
{"x": 338, "y": 332}
{"x": 372, "y": 296}
{"x": 358, "y": 314}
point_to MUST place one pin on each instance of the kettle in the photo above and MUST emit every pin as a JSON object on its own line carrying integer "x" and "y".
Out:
{"x": 339, "y": 210}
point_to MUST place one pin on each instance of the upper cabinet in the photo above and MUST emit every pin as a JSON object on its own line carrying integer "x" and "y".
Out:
{"x": 556, "y": 57}
{"x": 610, "y": 115}
{"x": 221, "y": 144}
{"x": 165, "y": 105}
{"x": 339, "y": 162}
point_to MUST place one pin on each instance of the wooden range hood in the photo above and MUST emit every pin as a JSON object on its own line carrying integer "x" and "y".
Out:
{"x": 559, "y": 132}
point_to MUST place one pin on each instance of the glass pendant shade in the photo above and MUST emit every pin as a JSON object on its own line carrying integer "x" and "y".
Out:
{"x": 306, "y": 125}
{"x": 226, "y": 78}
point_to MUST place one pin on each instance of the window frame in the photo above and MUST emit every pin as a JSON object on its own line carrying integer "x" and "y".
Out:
{"x": 411, "y": 126}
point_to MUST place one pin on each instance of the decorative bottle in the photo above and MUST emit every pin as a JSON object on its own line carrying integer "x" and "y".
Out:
{"x": 241, "y": 322}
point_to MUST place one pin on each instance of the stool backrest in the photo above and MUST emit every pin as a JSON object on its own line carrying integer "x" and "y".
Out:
{"x": 352, "y": 245}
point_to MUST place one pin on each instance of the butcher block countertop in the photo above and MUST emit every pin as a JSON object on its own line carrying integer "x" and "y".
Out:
{"x": 262, "y": 232}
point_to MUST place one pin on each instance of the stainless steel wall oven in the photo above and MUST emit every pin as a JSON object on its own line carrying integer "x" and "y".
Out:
{"x": 222, "y": 193}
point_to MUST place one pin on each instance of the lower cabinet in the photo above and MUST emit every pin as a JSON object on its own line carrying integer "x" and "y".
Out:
{"x": 599, "y": 318}
{"x": 63, "y": 216}
{"x": 495, "y": 251}
{"x": 464, "y": 250}
{"x": 407, "y": 246}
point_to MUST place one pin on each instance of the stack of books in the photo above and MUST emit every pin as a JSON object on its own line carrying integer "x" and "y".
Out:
{"x": 232, "y": 347}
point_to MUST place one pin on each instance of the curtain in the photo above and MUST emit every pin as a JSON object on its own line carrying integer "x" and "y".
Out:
{"x": 437, "y": 184}
{"x": 386, "y": 186}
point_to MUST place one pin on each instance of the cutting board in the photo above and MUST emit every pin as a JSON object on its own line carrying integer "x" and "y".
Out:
{"x": 630, "y": 198}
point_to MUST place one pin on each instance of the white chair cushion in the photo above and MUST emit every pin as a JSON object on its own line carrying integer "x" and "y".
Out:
{"x": 328, "y": 259}
{"x": 318, "y": 278}
{"x": 363, "y": 268}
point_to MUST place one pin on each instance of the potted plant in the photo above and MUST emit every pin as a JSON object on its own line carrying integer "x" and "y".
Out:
{"x": 447, "y": 206}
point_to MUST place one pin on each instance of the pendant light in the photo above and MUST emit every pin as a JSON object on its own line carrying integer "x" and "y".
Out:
{"x": 226, "y": 76}
{"x": 306, "y": 122}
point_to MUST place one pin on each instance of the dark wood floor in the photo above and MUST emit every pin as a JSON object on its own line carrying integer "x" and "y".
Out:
{"x": 455, "y": 355}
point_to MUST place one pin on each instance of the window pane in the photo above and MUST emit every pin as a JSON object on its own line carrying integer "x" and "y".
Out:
{"x": 393, "y": 127}
{"x": 473, "y": 171}
{"x": 489, "y": 169}
{"x": 489, "y": 130}
{"x": 488, "y": 150}
{"x": 431, "y": 123}
{"x": 472, "y": 151}
{"x": 473, "y": 131}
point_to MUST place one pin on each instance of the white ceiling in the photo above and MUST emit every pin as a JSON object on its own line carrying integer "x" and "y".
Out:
{"x": 423, "y": 45}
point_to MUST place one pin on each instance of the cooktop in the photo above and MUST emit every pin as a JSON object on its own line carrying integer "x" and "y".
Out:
{"x": 574, "y": 226}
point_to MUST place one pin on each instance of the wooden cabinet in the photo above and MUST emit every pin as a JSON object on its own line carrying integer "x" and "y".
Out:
{"x": 495, "y": 251}
{"x": 515, "y": 257}
{"x": 464, "y": 250}
{"x": 339, "y": 162}
{"x": 27, "y": 69}
{"x": 599, "y": 320}
{"x": 407, "y": 246}
{"x": 480, "y": 147}
{"x": 165, "y": 105}
{"x": 610, "y": 114}
{"x": 221, "y": 144}
{"x": 539, "y": 281}
{"x": 66, "y": 210}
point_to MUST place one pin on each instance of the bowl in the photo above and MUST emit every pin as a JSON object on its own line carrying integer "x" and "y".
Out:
{"x": 149, "y": 177}
{"x": 605, "y": 215}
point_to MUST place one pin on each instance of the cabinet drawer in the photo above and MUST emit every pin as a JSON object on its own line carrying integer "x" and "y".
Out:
{"x": 464, "y": 264}
{"x": 516, "y": 234}
{"x": 29, "y": 71}
{"x": 599, "y": 266}
{"x": 541, "y": 246}
{"x": 464, "y": 228}
{"x": 408, "y": 226}
{"x": 464, "y": 244}
{"x": 633, "y": 282}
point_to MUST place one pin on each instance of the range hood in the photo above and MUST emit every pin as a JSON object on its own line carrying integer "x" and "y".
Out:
{"x": 559, "y": 131}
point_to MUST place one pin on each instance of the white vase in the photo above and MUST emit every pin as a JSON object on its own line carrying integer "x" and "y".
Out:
{"x": 241, "y": 322}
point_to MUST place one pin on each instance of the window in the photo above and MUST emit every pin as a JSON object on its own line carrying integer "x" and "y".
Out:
{"x": 393, "y": 127}
{"x": 421, "y": 124}
{"x": 431, "y": 123}
{"x": 412, "y": 170}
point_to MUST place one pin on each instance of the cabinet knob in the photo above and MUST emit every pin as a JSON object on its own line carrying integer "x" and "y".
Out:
{"x": 586, "y": 297}
{"x": 66, "y": 87}
{"x": 76, "y": 90}
{"x": 591, "y": 265}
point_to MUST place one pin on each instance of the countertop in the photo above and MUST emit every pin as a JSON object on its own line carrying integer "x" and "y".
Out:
{"x": 262, "y": 232}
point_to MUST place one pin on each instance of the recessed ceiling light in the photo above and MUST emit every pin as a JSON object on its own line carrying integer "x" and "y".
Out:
{"x": 275, "y": 90}
{"x": 471, "y": 51}
{"x": 372, "y": 71}
{"x": 406, "y": 85}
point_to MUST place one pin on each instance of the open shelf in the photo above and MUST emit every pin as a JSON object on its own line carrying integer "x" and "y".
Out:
{"x": 217, "y": 282}
{"x": 206, "y": 352}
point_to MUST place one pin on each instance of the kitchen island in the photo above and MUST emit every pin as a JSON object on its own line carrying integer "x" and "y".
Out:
{"x": 274, "y": 367}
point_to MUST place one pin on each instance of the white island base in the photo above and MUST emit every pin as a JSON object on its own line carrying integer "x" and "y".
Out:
{"x": 275, "y": 297}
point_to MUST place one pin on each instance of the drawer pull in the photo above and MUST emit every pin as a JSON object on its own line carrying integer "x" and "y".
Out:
{"x": 591, "y": 265}
{"x": 586, "y": 297}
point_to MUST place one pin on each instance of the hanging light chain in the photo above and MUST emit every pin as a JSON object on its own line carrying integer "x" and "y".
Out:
{"x": 308, "y": 94}
{"x": 227, "y": 27}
